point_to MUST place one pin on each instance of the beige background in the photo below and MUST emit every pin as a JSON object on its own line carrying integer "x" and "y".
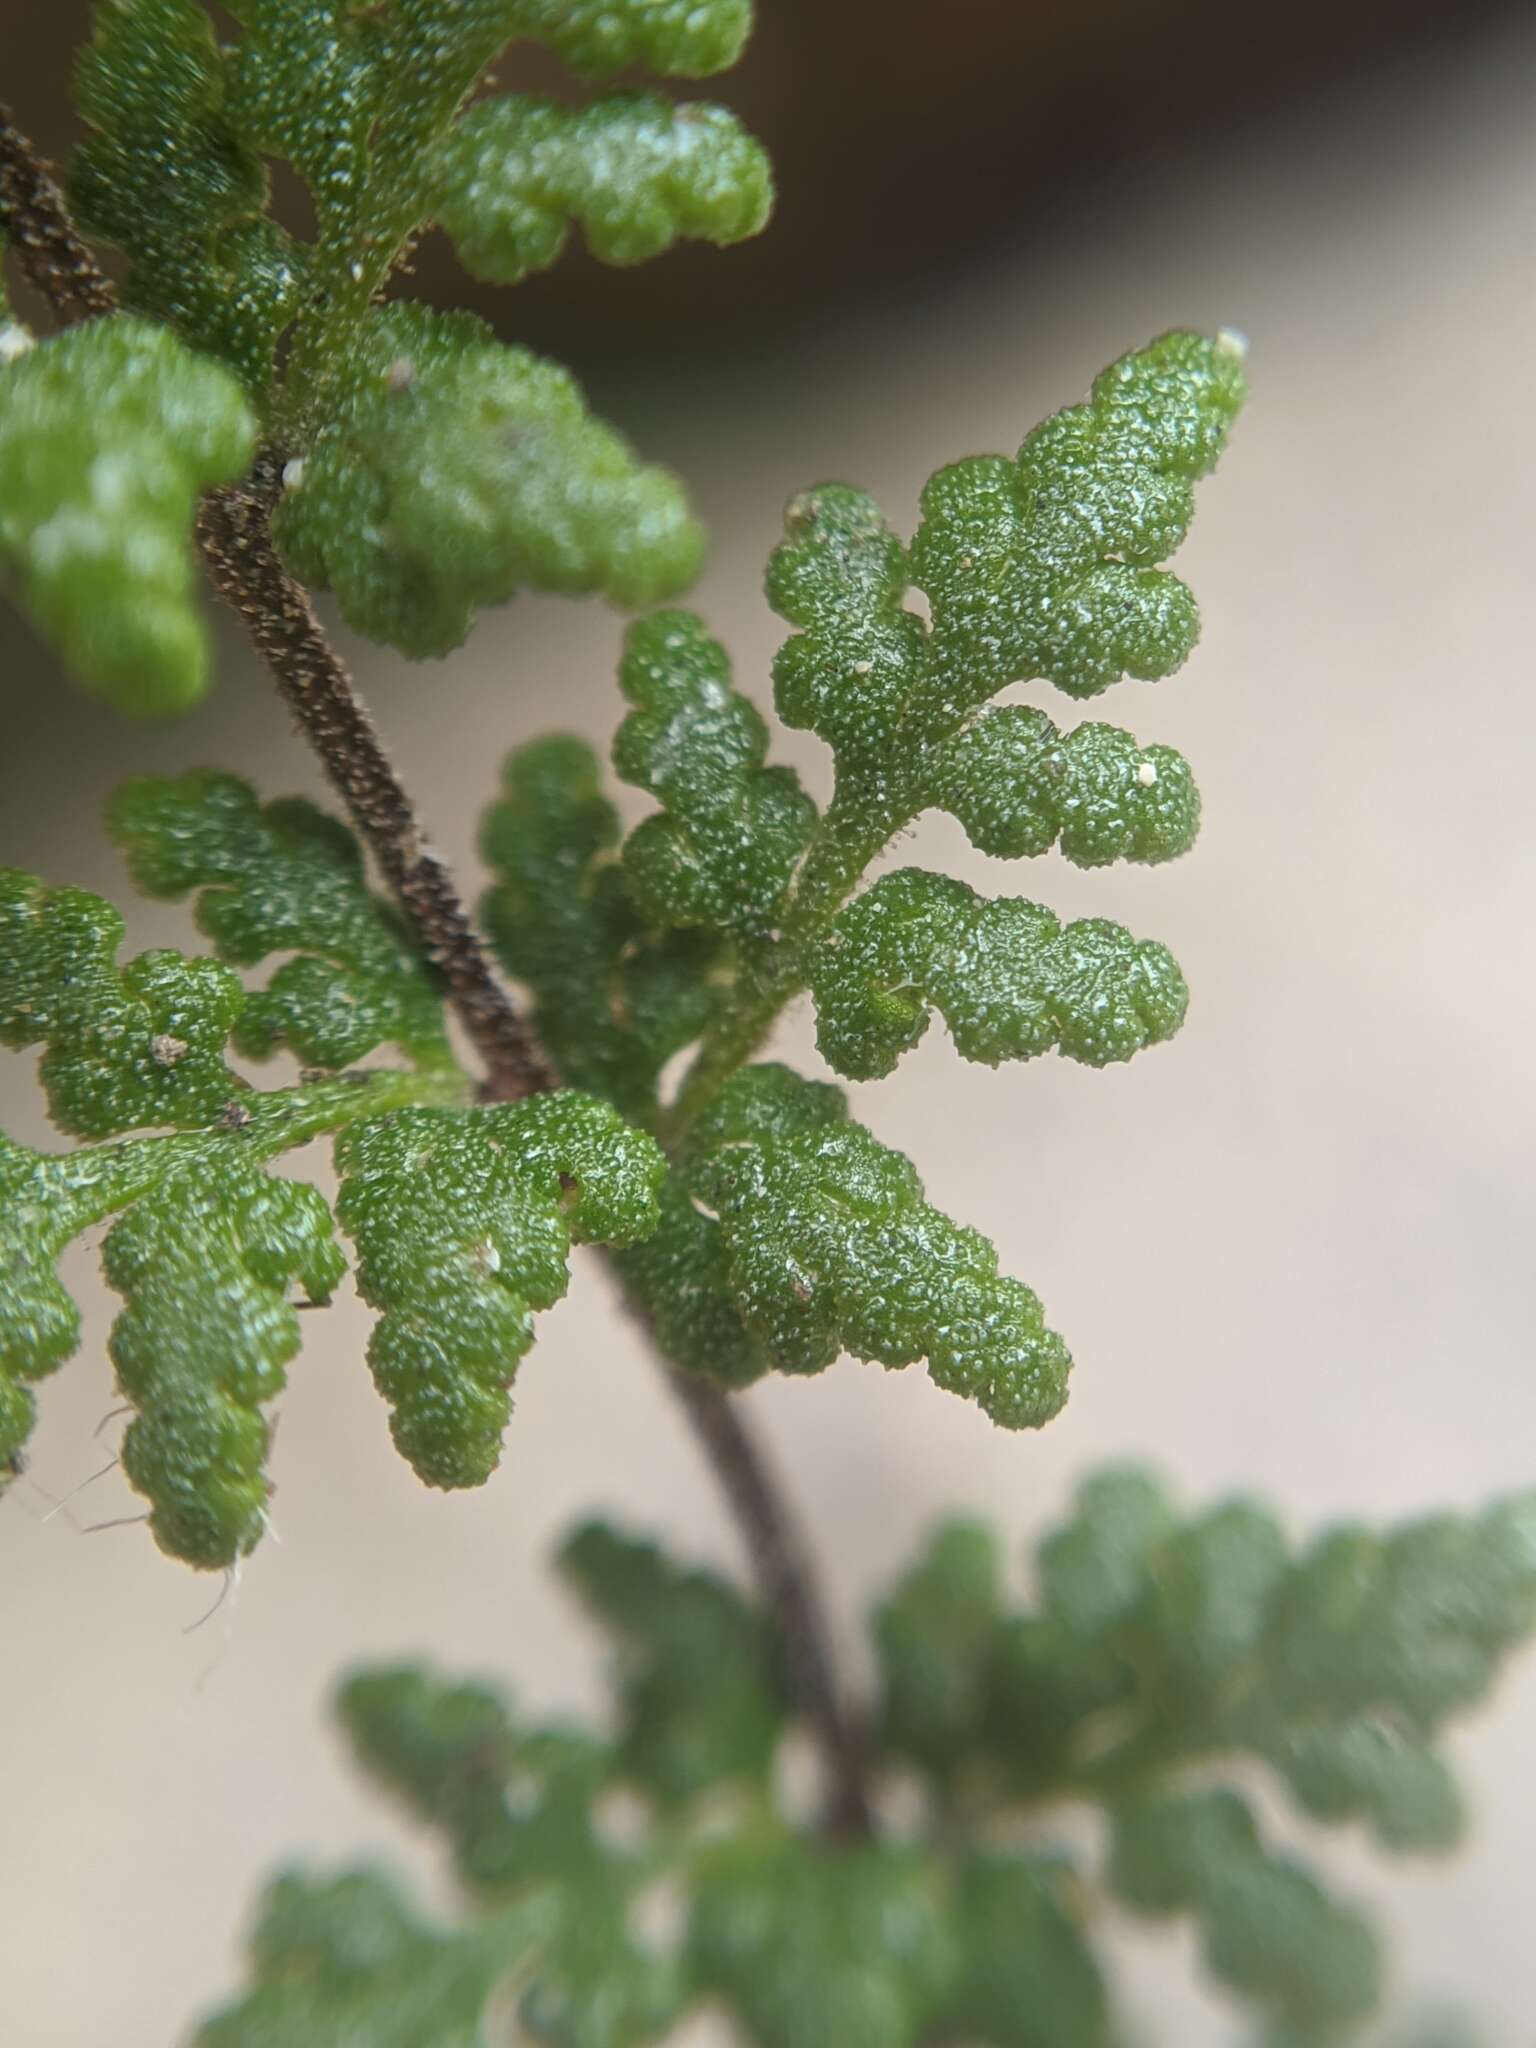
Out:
{"x": 1291, "y": 1252}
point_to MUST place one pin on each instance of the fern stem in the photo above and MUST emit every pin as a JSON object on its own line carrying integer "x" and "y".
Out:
{"x": 235, "y": 531}
{"x": 787, "y": 1582}
{"x": 36, "y": 223}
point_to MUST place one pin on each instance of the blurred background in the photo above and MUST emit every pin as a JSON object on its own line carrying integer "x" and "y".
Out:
{"x": 1291, "y": 1252}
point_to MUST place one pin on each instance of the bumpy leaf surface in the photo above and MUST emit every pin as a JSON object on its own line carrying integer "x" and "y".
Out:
{"x": 680, "y": 1277}
{"x": 285, "y": 878}
{"x": 1043, "y": 566}
{"x": 463, "y": 1220}
{"x": 450, "y": 471}
{"x": 1020, "y": 786}
{"x": 168, "y": 179}
{"x": 612, "y": 1001}
{"x": 1269, "y": 1929}
{"x": 125, "y": 1048}
{"x": 818, "y": 1951}
{"x": 725, "y": 843}
{"x": 519, "y": 1809}
{"x": 949, "y": 1934}
{"x": 204, "y": 1263}
{"x": 343, "y": 1961}
{"x": 108, "y": 433}
{"x": 39, "y": 1325}
{"x": 636, "y": 171}
{"x": 1026, "y": 1977}
{"x": 1010, "y": 980}
{"x": 831, "y": 1248}
{"x": 702, "y": 1701}
{"x": 677, "y": 38}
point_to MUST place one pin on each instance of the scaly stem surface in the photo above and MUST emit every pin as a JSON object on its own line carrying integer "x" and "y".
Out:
{"x": 37, "y": 225}
{"x": 235, "y": 532}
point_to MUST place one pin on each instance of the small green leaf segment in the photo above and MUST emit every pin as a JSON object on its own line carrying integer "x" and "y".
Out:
{"x": 207, "y": 1244}
{"x": 107, "y": 435}
{"x": 463, "y": 1222}
{"x": 635, "y": 171}
{"x": 1161, "y": 1644}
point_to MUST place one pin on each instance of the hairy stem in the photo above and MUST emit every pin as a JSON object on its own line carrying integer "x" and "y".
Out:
{"x": 235, "y": 530}
{"x": 38, "y": 227}
{"x": 236, "y": 537}
{"x": 787, "y": 1582}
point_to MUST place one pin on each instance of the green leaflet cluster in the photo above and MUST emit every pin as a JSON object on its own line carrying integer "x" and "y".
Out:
{"x": 346, "y": 1960}
{"x": 1206, "y": 1640}
{"x": 285, "y": 878}
{"x": 1036, "y": 567}
{"x": 430, "y": 469}
{"x": 463, "y": 1220}
{"x": 795, "y": 1236}
{"x": 786, "y": 1242}
{"x": 206, "y": 1244}
{"x": 462, "y": 1217}
{"x": 737, "y": 856}
{"x": 612, "y": 1001}
{"x": 722, "y": 848}
{"x": 1158, "y": 1641}
{"x": 108, "y": 433}
{"x": 451, "y": 471}
{"x": 701, "y": 1696}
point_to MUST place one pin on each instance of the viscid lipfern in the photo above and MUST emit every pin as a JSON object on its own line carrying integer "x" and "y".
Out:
{"x": 240, "y": 380}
